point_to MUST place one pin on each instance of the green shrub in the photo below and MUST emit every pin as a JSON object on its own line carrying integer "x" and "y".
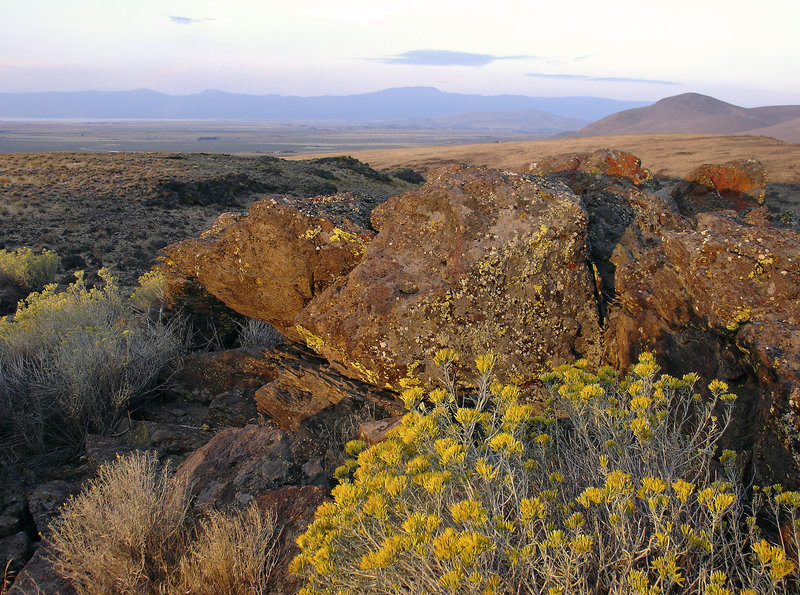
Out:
{"x": 131, "y": 531}
{"x": 28, "y": 271}
{"x": 615, "y": 489}
{"x": 71, "y": 362}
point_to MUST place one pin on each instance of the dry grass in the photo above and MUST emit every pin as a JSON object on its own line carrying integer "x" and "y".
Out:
{"x": 231, "y": 554}
{"x": 131, "y": 532}
{"x": 126, "y": 532}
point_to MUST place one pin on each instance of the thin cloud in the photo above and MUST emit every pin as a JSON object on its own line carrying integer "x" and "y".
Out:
{"x": 184, "y": 20}
{"x": 444, "y": 58}
{"x": 606, "y": 79}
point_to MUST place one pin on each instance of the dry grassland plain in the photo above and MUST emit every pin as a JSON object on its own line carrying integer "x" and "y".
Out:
{"x": 668, "y": 156}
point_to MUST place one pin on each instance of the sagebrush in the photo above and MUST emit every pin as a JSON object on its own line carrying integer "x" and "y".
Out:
{"x": 72, "y": 361}
{"x": 26, "y": 270}
{"x": 617, "y": 488}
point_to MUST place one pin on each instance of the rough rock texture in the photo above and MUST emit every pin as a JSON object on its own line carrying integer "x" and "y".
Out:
{"x": 372, "y": 432}
{"x": 306, "y": 386}
{"x": 625, "y": 216}
{"x": 238, "y": 464}
{"x": 271, "y": 263}
{"x": 294, "y": 507}
{"x": 204, "y": 376}
{"x": 737, "y": 185}
{"x": 45, "y": 501}
{"x": 14, "y": 551}
{"x": 722, "y": 300}
{"x": 476, "y": 260}
{"x": 580, "y": 168}
{"x": 39, "y": 578}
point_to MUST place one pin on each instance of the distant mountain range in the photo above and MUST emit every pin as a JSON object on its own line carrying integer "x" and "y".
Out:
{"x": 390, "y": 105}
{"x": 691, "y": 112}
{"x": 422, "y": 108}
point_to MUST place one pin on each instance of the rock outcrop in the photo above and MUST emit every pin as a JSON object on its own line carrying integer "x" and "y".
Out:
{"x": 271, "y": 263}
{"x": 477, "y": 260}
{"x": 737, "y": 185}
{"x": 722, "y": 300}
{"x": 603, "y": 166}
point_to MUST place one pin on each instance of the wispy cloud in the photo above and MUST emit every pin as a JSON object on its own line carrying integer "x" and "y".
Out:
{"x": 606, "y": 79}
{"x": 444, "y": 58}
{"x": 185, "y": 20}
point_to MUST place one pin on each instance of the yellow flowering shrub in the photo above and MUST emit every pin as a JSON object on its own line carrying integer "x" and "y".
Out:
{"x": 27, "y": 270}
{"x": 616, "y": 488}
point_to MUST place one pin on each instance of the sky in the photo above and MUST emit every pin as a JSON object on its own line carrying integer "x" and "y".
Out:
{"x": 744, "y": 53}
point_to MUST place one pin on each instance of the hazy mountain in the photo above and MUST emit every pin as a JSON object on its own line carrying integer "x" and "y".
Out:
{"x": 403, "y": 103}
{"x": 691, "y": 112}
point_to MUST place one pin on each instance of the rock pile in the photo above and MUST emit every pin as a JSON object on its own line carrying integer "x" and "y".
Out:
{"x": 581, "y": 257}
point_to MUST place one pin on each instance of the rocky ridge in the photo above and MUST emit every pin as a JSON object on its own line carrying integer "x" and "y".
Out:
{"x": 582, "y": 256}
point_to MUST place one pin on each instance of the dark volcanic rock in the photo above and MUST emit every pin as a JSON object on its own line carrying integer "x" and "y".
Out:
{"x": 737, "y": 185}
{"x": 240, "y": 463}
{"x": 294, "y": 507}
{"x": 270, "y": 264}
{"x": 14, "y": 551}
{"x": 45, "y": 501}
{"x": 306, "y": 386}
{"x": 478, "y": 260}
{"x": 39, "y": 578}
{"x": 204, "y": 376}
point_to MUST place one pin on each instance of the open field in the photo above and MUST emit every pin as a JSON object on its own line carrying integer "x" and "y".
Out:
{"x": 664, "y": 154}
{"x": 226, "y": 137}
{"x": 668, "y": 156}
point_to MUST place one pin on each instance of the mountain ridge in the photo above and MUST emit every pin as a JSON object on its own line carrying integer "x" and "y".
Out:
{"x": 399, "y": 103}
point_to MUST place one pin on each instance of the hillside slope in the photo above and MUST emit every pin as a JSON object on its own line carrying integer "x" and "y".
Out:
{"x": 692, "y": 113}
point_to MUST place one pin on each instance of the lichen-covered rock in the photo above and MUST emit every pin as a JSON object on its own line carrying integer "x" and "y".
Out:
{"x": 737, "y": 185}
{"x": 603, "y": 165}
{"x": 271, "y": 263}
{"x": 723, "y": 300}
{"x": 625, "y": 216}
{"x": 477, "y": 260}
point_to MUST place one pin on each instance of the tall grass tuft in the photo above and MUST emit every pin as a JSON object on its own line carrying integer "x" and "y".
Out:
{"x": 130, "y": 531}
{"x": 126, "y": 532}
{"x": 73, "y": 361}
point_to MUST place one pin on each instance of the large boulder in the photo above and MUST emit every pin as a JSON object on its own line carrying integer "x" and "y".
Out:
{"x": 477, "y": 260}
{"x": 603, "y": 165}
{"x": 626, "y": 216}
{"x": 269, "y": 264}
{"x": 723, "y": 300}
{"x": 736, "y": 185}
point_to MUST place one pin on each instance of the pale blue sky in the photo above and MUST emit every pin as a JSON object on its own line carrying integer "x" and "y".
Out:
{"x": 742, "y": 52}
